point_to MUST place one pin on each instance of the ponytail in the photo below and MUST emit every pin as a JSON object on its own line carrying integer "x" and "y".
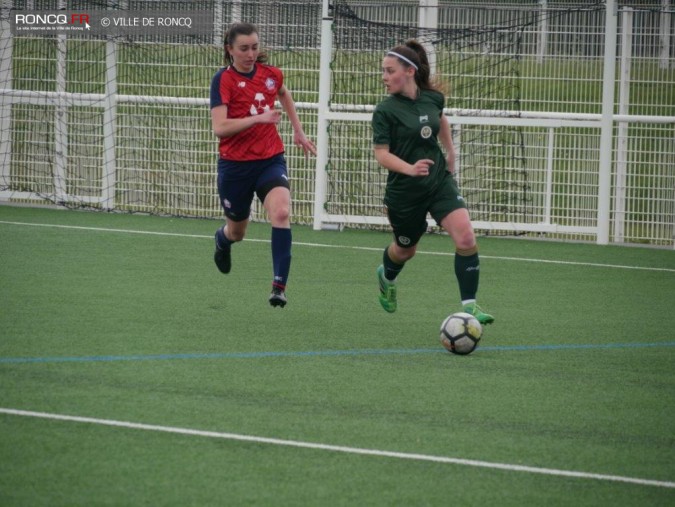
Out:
{"x": 413, "y": 54}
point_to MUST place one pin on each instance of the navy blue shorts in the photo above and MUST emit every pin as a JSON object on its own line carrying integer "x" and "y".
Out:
{"x": 239, "y": 181}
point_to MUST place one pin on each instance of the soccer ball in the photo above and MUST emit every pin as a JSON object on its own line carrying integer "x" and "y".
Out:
{"x": 460, "y": 333}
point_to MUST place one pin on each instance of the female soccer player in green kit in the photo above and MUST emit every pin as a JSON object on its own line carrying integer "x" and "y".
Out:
{"x": 407, "y": 128}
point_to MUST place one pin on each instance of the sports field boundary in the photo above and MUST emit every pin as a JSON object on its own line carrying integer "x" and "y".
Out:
{"x": 338, "y": 448}
{"x": 324, "y": 245}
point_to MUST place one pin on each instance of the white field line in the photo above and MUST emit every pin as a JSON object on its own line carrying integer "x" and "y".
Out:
{"x": 346, "y": 247}
{"x": 339, "y": 448}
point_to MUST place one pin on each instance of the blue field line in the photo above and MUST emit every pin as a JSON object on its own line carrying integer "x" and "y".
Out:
{"x": 321, "y": 353}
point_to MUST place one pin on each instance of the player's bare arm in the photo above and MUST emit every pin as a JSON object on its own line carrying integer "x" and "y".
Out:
{"x": 227, "y": 127}
{"x": 445, "y": 137}
{"x": 299, "y": 137}
{"x": 395, "y": 164}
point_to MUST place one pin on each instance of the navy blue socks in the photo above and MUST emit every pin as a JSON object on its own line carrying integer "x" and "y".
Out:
{"x": 281, "y": 256}
{"x": 221, "y": 240}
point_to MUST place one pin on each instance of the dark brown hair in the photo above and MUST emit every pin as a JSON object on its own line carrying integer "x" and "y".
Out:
{"x": 235, "y": 30}
{"x": 415, "y": 52}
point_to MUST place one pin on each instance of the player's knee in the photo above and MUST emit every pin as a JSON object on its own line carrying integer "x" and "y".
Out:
{"x": 239, "y": 236}
{"x": 401, "y": 255}
{"x": 408, "y": 255}
{"x": 280, "y": 214}
{"x": 235, "y": 234}
{"x": 465, "y": 240}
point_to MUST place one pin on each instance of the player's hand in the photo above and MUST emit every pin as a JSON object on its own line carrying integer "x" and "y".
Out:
{"x": 301, "y": 141}
{"x": 270, "y": 116}
{"x": 421, "y": 167}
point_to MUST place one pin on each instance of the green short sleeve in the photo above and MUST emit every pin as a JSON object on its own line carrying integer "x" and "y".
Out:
{"x": 381, "y": 128}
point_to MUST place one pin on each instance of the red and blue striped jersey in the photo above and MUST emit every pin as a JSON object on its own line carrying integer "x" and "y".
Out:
{"x": 248, "y": 95}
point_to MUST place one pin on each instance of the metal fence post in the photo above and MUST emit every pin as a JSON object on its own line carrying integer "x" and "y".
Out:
{"x": 428, "y": 21}
{"x": 321, "y": 178}
{"x": 109, "y": 179}
{"x": 607, "y": 124}
{"x": 664, "y": 35}
{"x": 622, "y": 131}
{"x": 60, "y": 122}
{"x": 543, "y": 30}
{"x": 6, "y": 48}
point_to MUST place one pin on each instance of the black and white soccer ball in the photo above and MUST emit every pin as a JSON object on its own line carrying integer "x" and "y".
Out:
{"x": 460, "y": 333}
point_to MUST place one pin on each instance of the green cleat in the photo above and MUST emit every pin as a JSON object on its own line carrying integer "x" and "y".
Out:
{"x": 387, "y": 291}
{"x": 476, "y": 311}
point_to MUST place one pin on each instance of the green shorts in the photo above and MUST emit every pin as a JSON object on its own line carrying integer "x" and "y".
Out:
{"x": 408, "y": 217}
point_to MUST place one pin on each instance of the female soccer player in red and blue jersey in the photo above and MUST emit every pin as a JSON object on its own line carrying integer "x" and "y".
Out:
{"x": 251, "y": 151}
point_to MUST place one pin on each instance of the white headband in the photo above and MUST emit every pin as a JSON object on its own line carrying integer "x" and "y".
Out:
{"x": 394, "y": 53}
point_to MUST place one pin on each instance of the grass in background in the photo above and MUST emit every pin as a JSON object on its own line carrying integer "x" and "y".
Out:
{"x": 576, "y": 374}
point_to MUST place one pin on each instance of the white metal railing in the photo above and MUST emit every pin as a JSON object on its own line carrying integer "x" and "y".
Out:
{"x": 604, "y": 122}
{"x": 457, "y": 118}
{"x": 611, "y": 187}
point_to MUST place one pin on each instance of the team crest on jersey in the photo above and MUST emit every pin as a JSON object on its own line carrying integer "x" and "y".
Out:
{"x": 404, "y": 240}
{"x": 425, "y": 132}
{"x": 270, "y": 83}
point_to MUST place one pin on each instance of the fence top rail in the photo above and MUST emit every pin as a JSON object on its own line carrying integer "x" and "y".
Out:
{"x": 359, "y": 112}
{"x": 363, "y": 112}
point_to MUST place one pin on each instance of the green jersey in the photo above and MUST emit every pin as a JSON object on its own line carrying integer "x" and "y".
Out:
{"x": 410, "y": 129}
